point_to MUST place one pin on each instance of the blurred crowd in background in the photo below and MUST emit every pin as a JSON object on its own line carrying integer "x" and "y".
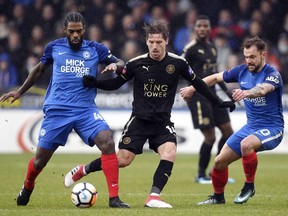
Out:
{"x": 26, "y": 26}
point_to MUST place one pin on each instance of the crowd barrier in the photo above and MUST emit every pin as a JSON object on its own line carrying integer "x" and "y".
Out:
{"x": 20, "y": 128}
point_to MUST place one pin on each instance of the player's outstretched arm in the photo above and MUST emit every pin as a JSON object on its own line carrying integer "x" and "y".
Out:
{"x": 257, "y": 91}
{"x": 35, "y": 74}
{"x": 109, "y": 84}
{"x": 203, "y": 89}
{"x": 114, "y": 67}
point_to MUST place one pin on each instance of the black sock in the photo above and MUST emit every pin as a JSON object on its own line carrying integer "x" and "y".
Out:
{"x": 205, "y": 155}
{"x": 249, "y": 185}
{"x": 93, "y": 166}
{"x": 219, "y": 196}
{"x": 161, "y": 176}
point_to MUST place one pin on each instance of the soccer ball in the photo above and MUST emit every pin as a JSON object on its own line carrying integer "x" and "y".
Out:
{"x": 84, "y": 195}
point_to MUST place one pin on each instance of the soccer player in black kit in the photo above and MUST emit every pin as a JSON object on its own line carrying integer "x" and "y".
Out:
{"x": 201, "y": 55}
{"x": 156, "y": 76}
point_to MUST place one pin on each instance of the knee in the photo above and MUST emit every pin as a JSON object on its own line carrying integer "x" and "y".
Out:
{"x": 108, "y": 147}
{"x": 39, "y": 163}
{"x": 218, "y": 163}
{"x": 210, "y": 140}
{"x": 169, "y": 155}
{"x": 124, "y": 161}
{"x": 105, "y": 143}
{"x": 245, "y": 148}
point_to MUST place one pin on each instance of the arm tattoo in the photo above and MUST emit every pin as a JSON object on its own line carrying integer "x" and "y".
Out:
{"x": 255, "y": 92}
{"x": 259, "y": 90}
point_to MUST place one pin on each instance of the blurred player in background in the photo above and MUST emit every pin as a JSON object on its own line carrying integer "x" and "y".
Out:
{"x": 156, "y": 76}
{"x": 201, "y": 55}
{"x": 68, "y": 105}
{"x": 261, "y": 89}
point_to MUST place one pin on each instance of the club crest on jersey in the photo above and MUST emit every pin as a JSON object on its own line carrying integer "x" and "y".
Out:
{"x": 86, "y": 55}
{"x": 42, "y": 132}
{"x": 170, "y": 69}
{"x": 127, "y": 140}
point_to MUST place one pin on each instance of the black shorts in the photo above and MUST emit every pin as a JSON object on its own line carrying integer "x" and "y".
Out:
{"x": 205, "y": 115}
{"x": 137, "y": 131}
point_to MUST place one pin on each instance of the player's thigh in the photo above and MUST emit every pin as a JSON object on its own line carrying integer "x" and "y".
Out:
{"x": 89, "y": 124}
{"x": 234, "y": 141}
{"x": 269, "y": 137}
{"x": 55, "y": 129}
{"x": 134, "y": 135}
{"x": 164, "y": 134}
{"x": 125, "y": 157}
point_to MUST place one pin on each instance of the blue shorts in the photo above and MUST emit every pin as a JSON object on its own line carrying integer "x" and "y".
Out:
{"x": 269, "y": 137}
{"x": 58, "y": 124}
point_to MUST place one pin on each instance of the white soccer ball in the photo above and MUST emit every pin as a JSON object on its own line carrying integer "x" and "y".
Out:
{"x": 84, "y": 195}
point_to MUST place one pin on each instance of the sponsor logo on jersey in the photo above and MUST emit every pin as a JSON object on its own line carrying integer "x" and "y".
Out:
{"x": 274, "y": 79}
{"x": 146, "y": 68}
{"x": 75, "y": 66}
{"x": 259, "y": 101}
{"x": 170, "y": 69}
{"x": 153, "y": 89}
{"x": 243, "y": 82}
{"x": 61, "y": 53}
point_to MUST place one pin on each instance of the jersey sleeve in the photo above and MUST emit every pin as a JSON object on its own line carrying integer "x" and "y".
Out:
{"x": 105, "y": 55}
{"x": 187, "y": 72}
{"x": 274, "y": 78}
{"x": 128, "y": 72}
{"x": 47, "y": 57}
{"x": 232, "y": 75}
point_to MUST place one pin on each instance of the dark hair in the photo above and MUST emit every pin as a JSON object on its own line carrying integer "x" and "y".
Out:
{"x": 202, "y": 17}
{"x": 74, "y": 17}
{"x": 157, "y": 27}
{"x": 254, "y": 41}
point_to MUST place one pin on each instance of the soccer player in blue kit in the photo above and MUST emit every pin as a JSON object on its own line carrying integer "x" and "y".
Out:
{"x": 261, "y": 89}
{"x": 69, "y": 105}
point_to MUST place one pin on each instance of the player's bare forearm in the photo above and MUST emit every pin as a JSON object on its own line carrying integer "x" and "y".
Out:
{"x": 35, "y": 74}
{"x": 114, "y": 67}
{"x": 32, "y": 78}
{"x": 257, "y": 91}
{"x": 213, "y": 79}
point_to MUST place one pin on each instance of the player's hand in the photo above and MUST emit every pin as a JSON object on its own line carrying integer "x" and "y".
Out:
{"x": 13, "y": 94}
{"x": 187, "y": 92}
{"x": 110, "y": 68}
{"x": 89, "y": 81}
{"x": 227, "y": 104}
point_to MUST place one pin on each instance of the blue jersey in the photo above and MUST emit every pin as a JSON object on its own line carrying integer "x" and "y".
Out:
{"x": 265, "y": 111}
{"x": 69, "y": 66}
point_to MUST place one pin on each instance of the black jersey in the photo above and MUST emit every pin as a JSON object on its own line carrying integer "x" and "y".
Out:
{"x": 202, "y": 58}
{"x": 155, "y": 84}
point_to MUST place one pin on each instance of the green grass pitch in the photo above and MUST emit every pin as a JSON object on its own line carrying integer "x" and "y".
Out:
{"x": 50, "y": 197}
